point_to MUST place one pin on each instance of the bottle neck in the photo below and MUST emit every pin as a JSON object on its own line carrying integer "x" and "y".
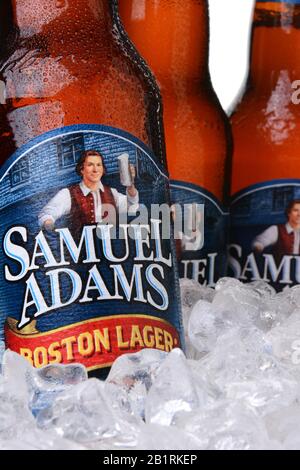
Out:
{"x": 171, "y": 35}
{"x": 32, "y": 17}
{"x": 275, "y": 43}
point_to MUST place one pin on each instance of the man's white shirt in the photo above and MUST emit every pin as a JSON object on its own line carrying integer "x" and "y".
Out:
{"x": 60, "y": 204}
{"x": 270, "y": 237}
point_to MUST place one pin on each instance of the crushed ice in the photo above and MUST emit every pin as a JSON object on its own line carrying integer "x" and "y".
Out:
{"x": 237, "y": 387}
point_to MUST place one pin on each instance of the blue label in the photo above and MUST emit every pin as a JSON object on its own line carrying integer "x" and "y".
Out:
{"x": 82, "y": 278}
{"x": 201, "y": 250}
{"x": 265, "y": 233}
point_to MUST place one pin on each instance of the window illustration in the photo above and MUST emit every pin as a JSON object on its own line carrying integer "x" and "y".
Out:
{"x": 281, "y": 198}
{"x": 19, "y": 174}
{"x": 69, "y": 150}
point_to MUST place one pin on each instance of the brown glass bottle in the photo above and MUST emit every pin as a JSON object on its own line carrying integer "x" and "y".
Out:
{"x": 78, "y": 101}
{"x": 265, "y": 185}
{"x": 173, "y": 37}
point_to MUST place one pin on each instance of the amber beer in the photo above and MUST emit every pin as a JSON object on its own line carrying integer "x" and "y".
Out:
{"x": 173, "y": 37}
{"x": 265, "y": 241}
{"x": 81, "y": 137}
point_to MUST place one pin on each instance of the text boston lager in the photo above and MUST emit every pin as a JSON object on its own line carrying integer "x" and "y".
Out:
{"x": 265, "y": 238}
{"x": 81, "y": 138}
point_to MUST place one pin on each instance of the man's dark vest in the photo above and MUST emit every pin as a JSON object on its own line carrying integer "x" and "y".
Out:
{"x": 285, "y": 242}
{"x": 83, "y": 207}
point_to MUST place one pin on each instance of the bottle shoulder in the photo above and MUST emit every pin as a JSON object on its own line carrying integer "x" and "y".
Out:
{"x": 62, "y": 67}
{"x": 266, "y": 138}
{"x": 49, "y": 90}
{"x": 284, "y": 94}
{"x": 200, "y": 99}
{"x": 270, "y": 112}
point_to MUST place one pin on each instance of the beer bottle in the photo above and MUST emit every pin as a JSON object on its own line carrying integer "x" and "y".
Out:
{"x": 265, "y": 238}
{"x": 173, "y": 37}
{"x": 82, "y": 151}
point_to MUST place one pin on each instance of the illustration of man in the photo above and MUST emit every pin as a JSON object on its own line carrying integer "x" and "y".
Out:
{"x": 285, "y": 238}
{"x": 85, "y": 201}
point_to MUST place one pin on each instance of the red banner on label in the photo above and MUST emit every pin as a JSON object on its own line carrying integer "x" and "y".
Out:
{"x": 94, "y": 343}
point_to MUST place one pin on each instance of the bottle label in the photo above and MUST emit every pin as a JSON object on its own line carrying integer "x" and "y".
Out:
{"x": 201, "y": 239}
{"x": 265, "y": 233}
{"x": 86, "y": 271}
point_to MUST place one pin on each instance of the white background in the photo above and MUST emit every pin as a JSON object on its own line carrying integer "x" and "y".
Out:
{"x": 230, "y": 25}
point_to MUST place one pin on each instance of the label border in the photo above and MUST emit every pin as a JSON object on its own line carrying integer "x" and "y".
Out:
{"x": 277, "y": 183}
{"x": 74, "y": 129}
{"x": 177, "y": 184}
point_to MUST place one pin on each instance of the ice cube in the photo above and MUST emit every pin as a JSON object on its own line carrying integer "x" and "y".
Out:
{"x": 227, "y": 283}
{"x": 285, "y": 340}
{"x": 204, "y": 382}
{"x": 78, "y": 413}
{"x": 244, "y": 368}
{"x": 240, "y": 354}
{"x": 46, "y": 383}
{"x": 15, "y": 372}
{"x": 209, "y": 322}
{"x": 13, "y": 411}
{"x": 130, "y": 379}
{"x": 263, "y": 289}
{"x": 39, "y": 387}
{"x": 257, "y": 302}
{"x": 277, "y": 309}
{"x": 237, "y": 298}
{"x": 173, "y": 391}
{"x": 292, "y": 295}
{"x": 60, "y": 375}
{"x": 82, "y": 414}
{"x": 284, "y": 426}
{"x": 229, "y": 425}
{"x": 264, "y": 395}
{"x": 191, "y": 293}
